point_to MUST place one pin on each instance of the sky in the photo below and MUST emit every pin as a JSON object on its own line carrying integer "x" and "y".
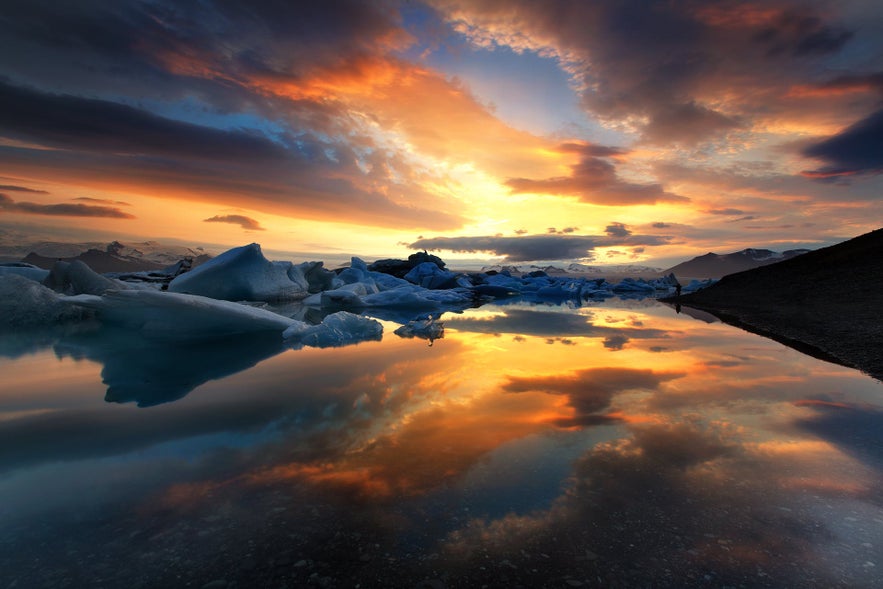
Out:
{"x": 598, "y": 131}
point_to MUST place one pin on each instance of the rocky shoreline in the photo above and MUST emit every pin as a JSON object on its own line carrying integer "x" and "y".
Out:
{"x": 827, "y": 303}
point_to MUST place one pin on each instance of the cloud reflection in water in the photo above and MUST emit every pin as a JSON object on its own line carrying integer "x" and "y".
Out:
{"x": 692, "y": 465}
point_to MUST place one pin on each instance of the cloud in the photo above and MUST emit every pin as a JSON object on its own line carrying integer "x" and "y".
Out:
{"x": 594, "y": 180}
{"x": 70, "y": 122}
{"x": 728, "y": 211}
{"x": 675, "y": 72}
{"x": 536, "y": 247}
{"x": 12, "y": 188}
{"x": 61, "y": 210}
{"x": 304, "y": 174}
{"x": 617, "y": 230}
{"x": 245, "y": 222}
{"x": 101, "y": 201}
{"x": 856, "y": 150}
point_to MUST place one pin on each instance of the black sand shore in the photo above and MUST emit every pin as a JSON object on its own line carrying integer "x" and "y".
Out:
{"x": 827, "y": 303}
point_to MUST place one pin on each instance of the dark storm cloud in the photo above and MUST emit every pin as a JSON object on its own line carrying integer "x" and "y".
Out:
{"x": 165, "y": 46}
{"x": 677, "y": 72}
{"x": 87, "y": 77}
{"x": 687, "y": 123}
{"x": 70, "y": 122}
{"x": 301, "y": 172}
{"x": 61, "y": 210}
{"x": 595, "y": 180}
{"x": 854, "y": 82}
{"x": 801, "y": 34}
{"x": 241, "y": 220}
{"x": 856, "y": 150}
{"x": 536, "y": 247}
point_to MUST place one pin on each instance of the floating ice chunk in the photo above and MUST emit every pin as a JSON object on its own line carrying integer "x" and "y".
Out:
{"x": 73, "y": 278}
{"x": 177, "y": 316}
{"x": 25, "y": 303}
{"x": 357, "y": 272}
{"x": 347, "y": 296}
{"x": 495, "y": 291}
{"x": 634, "y": 285}
{"x": 388, "y": 281}
{"x": 415, "y": 297}
{"x": 243, "y": 274}
{"x": 338, "y": 329}
{"x": 423, "y": 327}
{"x": 315, "y": 274}
{"x": 429, "y": 275}
{"x": 22, "y": 269}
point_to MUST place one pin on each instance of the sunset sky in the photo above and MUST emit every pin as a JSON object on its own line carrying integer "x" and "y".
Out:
{"x": 608, "y": 131}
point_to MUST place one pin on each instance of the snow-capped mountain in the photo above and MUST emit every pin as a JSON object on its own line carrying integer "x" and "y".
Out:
{"x": 712, "y": 265}
{"x": 116, "y": 256}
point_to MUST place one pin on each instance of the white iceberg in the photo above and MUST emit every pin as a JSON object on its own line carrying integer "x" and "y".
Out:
{"x": 244, "y": 274}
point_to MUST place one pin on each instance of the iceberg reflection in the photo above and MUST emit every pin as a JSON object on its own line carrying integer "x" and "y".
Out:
{"x": 696, "y": 455}
{"x": 147, "y": 372}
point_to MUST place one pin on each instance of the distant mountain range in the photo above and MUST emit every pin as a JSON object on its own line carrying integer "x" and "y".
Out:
{"x": 116, "y": 256}
{"x": 713, "y": 265}
{"x": 574, "y": 268}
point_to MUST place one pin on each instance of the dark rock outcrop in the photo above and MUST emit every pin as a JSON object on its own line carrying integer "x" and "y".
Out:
{"x": 828, "y": 302}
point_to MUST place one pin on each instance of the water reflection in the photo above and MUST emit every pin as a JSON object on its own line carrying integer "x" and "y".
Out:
{"x": 641, "y": 448}
{"x": 148, "y": 372}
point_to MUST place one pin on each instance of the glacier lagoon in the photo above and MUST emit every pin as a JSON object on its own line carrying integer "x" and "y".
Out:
{"x": 616, "y": 444}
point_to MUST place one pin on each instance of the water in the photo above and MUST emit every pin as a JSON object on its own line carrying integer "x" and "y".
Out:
{"x": 618, "y": 445}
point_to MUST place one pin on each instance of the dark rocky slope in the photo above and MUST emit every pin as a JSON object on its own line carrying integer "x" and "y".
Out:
{"x": 828, "y": 302}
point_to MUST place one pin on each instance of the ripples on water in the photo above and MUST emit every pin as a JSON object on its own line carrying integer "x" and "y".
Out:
{"x": 616, "y": 445}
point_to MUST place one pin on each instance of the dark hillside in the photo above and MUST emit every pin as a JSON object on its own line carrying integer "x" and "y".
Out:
{"x": 828, "y": 302}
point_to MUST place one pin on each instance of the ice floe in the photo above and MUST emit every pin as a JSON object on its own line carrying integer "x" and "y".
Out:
{"x": 228, "y": 296}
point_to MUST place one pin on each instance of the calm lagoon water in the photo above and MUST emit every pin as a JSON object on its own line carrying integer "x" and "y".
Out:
{"x": 618, "y": 445}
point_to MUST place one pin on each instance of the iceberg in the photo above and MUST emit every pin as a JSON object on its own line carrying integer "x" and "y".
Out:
{"x": 429, "y": 275}
{"x": 73, "y": 278}
{"x": 25, "y": 303}
{"x": 175, "y": 316}
{"x": 634, "y": 286}
{"x": 244, "y": 274}
{"x": 35, "y": 273}
{"x": 427, "y": 328}
{"x": 338, "y": 329}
